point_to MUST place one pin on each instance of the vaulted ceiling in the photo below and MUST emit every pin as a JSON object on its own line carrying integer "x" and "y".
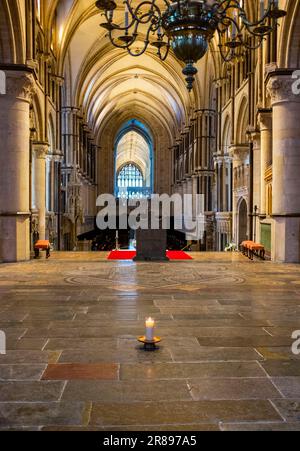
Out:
{"x": 134, "y": 148}
{"x": 108, "y": 83}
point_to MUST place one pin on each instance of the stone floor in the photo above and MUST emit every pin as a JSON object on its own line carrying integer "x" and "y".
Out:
{"x": 225, "y": 361}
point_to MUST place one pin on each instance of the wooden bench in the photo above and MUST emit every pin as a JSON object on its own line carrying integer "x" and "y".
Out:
{"x": 250, "y": 248}
{"x": 244, "y": 247}
{"x": 42, "y": 245}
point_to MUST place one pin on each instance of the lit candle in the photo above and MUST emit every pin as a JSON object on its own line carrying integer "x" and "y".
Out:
{"x": 149, "y": 329}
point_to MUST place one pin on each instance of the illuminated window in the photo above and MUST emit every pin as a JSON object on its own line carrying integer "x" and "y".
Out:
{"x": 130, "y": 177}
{"x": 38, "y": 9}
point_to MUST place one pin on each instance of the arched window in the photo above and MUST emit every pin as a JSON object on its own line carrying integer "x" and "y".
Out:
{"x": 130, "y": 176}
{"x": 38, "y": 9}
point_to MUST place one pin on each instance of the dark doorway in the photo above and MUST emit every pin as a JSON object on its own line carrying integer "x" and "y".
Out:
{"x": 243, "y": 219}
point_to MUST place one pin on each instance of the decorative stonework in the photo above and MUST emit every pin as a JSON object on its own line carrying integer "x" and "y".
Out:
{"x": 41, "y": 150}
{"x": 269, "y": 68}
{"x": 265, "y": 121}
{"x": 58, "y": 156}
{"x": 35, "y": 222}
{"x": 20, "y": 85}
{"x": 238, "y": 152}
{"x": 279, "y": 88}
{"x": 74, "y": 210}
{"x": 224, "y": 222}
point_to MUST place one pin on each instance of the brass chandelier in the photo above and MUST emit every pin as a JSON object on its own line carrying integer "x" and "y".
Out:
{"x": 187, "y": 26}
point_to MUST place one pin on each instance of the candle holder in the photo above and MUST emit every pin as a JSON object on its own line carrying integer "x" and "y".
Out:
{"x": 149, "y": 345}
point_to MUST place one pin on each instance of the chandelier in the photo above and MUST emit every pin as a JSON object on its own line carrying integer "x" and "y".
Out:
{"x": 187, "y": 26}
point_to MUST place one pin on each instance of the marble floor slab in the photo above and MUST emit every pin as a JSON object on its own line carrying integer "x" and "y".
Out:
{"x": 225, "y": 361}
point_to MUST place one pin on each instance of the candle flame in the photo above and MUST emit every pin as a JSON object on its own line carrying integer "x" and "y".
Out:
{"x": 150, "y": 322}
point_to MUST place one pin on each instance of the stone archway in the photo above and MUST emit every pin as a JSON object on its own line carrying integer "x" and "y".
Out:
{"x": 242, "y": 221}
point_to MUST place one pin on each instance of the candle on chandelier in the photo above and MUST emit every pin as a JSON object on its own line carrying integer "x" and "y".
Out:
{"x": 262, "y": 8}
{"x": 150, "y": 329}
{"x": 126, "y": 16}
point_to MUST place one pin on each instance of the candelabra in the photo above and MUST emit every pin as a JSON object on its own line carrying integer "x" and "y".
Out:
{"x": 187, "y": 27}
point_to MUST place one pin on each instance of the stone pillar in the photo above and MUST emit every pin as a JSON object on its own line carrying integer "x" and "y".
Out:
{"x": 256, "y": 194}
{"x": 189, "y": 186}
{"x": 219, "y": 183}
{"x": 256, "y": 170}
{"x": 14, "y": 167}
{"x": 70, "y": 135}
{"x": 286, "y": 168}
{"x": 195, "y": 192}
{"x": 184, "y": 188}
{"x": 40, "y": 151}
{"x": 265, "y": 121}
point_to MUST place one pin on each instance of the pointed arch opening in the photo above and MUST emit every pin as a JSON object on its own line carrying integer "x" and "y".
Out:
{"x": 133, "y": 161}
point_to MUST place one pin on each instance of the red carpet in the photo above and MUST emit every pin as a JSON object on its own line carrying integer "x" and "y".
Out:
{"x": 121, "y": 255}
{"x": 178, "y": 255}
{"x": 129, "y": 255}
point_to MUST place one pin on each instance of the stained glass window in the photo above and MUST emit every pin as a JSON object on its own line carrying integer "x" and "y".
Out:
{"x": 130, "y": 177}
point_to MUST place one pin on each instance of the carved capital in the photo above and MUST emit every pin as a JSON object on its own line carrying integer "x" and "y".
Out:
{"x": 280, "y": 89}
{"x": 239, "y": 152}
{"x": 253, "y": 136}
{"x": 20, "y": 85}
{"x": 58, "y": 155}
{"x": 40, "y": 150}
{"x": 265, "y": 120}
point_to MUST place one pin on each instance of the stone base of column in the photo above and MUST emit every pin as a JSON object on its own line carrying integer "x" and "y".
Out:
{"x": 286, "y": 240}
{"x": 15, "y": 238}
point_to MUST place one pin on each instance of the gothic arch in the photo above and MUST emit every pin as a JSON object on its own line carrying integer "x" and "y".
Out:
{"x": 242, "y": 220}
{"x": 11, "y": 40}
{"x": 51, "y": 134}
{"x": 227, "y": 133}
{"x": 289, "y": 47}
{"x": 38, "y": 119}
{"x": 242, "y": 121}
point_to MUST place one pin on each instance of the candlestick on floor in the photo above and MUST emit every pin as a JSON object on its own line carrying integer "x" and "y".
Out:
{"x": 149, "y": 345}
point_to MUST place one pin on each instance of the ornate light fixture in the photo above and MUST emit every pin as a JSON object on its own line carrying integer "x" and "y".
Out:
{"x": 187, "y": 26}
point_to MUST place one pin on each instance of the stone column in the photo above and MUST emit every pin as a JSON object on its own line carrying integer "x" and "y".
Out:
{"x": 195, "y": 192}
{"x": 286, "y": 168}
{"x": 184, "y": 188}
{"x": 70, "y": 134}
{"x": 14, "y": 167}
{"x": 189, "y": 186}
{"x": 256, "y": 169}
{"x": 40, "y": 151}
{"x": 265, "y": 121}
{"x": 256, "y": 194}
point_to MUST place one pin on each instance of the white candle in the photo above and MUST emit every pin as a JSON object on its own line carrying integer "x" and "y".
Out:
{"x": 149, "y": 329}
{"x": 262, "y": 8}
{"x": 126, "y": 16}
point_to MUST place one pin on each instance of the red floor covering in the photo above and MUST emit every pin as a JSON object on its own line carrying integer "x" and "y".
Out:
{"x": 129, "y": 255}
